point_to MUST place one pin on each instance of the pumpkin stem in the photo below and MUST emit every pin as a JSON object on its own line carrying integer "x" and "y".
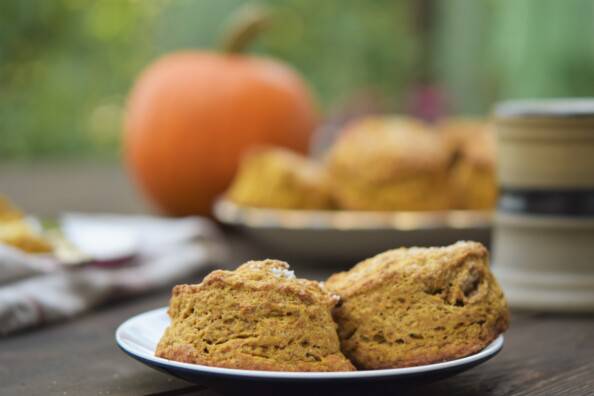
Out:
{"x": 244, "y": 26}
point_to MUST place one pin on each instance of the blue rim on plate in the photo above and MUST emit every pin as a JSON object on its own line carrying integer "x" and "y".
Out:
{"x": 139, "y": 335}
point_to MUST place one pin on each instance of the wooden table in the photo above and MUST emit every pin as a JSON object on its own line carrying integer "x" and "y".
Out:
{"x": 544, "y": 354}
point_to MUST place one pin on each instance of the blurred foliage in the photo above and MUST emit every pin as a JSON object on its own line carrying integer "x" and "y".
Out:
{"x": 500, "y": 49}
{"x": 66, "y": 65}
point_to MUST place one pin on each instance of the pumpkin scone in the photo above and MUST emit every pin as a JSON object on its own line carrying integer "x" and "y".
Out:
{"x": 258, "y": 317}
{"x": 278, "y": 178}
{"x": 17, "y": 231}
{"x": 472, "y": 180}
{"x": 408, "y": 307}
{"x": 389, "y": 163}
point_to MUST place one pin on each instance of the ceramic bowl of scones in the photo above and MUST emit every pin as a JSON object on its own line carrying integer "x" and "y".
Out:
{"x": 404, "y": 316}
{"x": 385, "y": 181}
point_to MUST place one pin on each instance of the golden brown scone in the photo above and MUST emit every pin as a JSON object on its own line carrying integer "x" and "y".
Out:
{"x": 456, "y": 131}
{"x": 278, "y": 178}
{"x": 389, "y": 163}
{"x": 473, "y": 181}
{"x": 416, "y": 306}
{"x": 17, "y": 232}
{"x": 258, "y": 317}
{"x": 8, "y": 211}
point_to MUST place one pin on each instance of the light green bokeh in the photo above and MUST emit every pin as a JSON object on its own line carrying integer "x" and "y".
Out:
{"x": 66, "y": 65}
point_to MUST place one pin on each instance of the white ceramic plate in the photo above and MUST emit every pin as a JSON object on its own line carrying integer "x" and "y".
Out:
{"x": 139, "y": 335}
{"x": 341, "y": 235}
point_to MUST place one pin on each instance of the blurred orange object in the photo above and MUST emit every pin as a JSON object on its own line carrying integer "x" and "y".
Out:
{"x": 191, "y": 115}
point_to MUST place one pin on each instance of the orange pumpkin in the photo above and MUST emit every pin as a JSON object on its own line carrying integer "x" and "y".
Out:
{"x": 191, "y": 114}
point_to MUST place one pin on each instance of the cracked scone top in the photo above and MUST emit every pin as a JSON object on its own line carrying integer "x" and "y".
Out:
{"x": 472, "y": 178}
{"x": 415, "y": 306}
{"x": 258, "y": 317}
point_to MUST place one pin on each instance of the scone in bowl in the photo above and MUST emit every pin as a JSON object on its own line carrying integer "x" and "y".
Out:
{"x": 336, "y": 235}
{"x": 139, "y": 336}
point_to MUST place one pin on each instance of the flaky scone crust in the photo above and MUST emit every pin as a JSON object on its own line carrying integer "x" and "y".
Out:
{"x": 257, "y": 318}
{"x": 409, "y": 307}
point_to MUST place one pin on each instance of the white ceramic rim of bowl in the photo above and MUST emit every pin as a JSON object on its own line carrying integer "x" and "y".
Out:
{"x": 132, "y": 349}
{"x": 228, "y": 212}
{"x": 545, "y": 107}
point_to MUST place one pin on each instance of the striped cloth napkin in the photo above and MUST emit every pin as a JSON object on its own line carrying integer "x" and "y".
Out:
{"x": 128, "y": 255}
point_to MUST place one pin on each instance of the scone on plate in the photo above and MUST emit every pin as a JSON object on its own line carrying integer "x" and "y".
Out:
{"x": 271, "y": 177}
{"x": 258, "y": 317}
{"x": 18, "y": 231}
{"x": 473, "y": 182}
{"x": 456, "y": 131}
{"x": 389, "y": 163}
{"x": 408, "y": 307}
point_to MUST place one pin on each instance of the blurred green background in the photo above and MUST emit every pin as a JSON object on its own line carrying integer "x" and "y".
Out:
{"x": 67, "y": 65}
